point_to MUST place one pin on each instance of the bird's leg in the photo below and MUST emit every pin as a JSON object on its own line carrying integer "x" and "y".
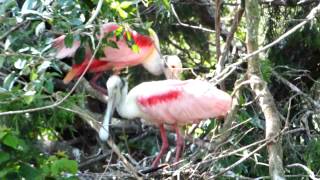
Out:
{"x": 164, "y": 146}
{"x": 180, "y": 143}
{"x": 93, "y": 83}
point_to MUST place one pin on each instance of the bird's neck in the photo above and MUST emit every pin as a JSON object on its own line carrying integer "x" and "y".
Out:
{"x": 126, "y": 106}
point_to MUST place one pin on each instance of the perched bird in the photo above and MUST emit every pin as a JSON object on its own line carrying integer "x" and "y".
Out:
{"x": 166, "y": 102}
{"x": 115, "y": 58}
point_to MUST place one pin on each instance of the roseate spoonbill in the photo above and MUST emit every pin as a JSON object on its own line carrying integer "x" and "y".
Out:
{"x": 166, "y": 102}
{"x": 115, "y": 58}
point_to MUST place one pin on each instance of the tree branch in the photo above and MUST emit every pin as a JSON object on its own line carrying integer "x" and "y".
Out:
{"x": 266, "y": 101}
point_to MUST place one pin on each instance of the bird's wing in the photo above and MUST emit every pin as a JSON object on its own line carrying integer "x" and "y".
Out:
{"x": 62, "y": 50}
{"x": 78, "y": 69}
{"x": 124, "y": 54}
{"x": 182, "y": 102}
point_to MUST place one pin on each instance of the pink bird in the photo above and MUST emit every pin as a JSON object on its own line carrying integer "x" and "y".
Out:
{"x": 115, "y": 58}
{"x": 166, "y": 102}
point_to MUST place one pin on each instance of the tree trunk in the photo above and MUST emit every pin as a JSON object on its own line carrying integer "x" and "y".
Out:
{"x": 259, "y": 86}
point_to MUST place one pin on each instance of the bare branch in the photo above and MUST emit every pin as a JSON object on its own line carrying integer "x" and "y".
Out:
{"x": 188, "y": 25}
{"x": 217, "y": 28}
{"x": 309, "y": 171}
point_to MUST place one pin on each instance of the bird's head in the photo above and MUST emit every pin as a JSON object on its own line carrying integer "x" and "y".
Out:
{"x": 172, "y": 66}
{"x": 117, "y": 87}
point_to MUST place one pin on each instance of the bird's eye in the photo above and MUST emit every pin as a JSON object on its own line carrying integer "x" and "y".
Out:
{"x": 173, "y": 66}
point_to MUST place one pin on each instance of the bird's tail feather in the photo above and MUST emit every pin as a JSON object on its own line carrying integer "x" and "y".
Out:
{"x": 76, "y": 70}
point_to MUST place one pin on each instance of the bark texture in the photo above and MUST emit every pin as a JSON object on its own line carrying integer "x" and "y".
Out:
{"x": 265, "y": 98}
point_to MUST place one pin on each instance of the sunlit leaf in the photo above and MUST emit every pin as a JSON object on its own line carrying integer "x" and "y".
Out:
{"x": 122, "y": 13}
{"x": 125, "y": 4}
{"x": 28, "y": 5}
{"x": 29, "y": 96}
{"x": 33, "y": 75}
{"x": 19, "y": 64}
{"x": 166, "y": 4}
{"x": 135, "y": 48}
{"x": 115, "y": 5}
{"x": 64, "y": 165}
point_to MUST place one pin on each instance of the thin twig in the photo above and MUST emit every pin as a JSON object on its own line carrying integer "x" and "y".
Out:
{"x": 188, "y": 25}
{"x": 13, "y": 29}
{"x": 232, "y": 67}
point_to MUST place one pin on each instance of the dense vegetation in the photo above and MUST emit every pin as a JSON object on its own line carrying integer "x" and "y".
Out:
{"x": 56, "y": 136}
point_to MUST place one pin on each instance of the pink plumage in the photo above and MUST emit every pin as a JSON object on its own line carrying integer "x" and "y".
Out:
{"x": 167, "y": 102}
{"x": 118, "y": 58}
{"x": 182, "y": 102}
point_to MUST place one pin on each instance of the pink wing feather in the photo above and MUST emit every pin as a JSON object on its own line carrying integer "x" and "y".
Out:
{"x": 182, "y": 102}
{"x": 124, "y": 54}
{"x": 62, "y": 50}
{"x": 120, "y": 57}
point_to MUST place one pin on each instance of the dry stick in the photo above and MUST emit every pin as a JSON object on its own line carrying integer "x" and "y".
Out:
{"x": 264, "y": 141}
{"x": 94, "y": 124}
{"x": 127, "y": 164}
{"x": 309, "y": 171}
{"x": 232, "y": 67}
{"x": 240, "y": 160}
{"x": 295, "y": 88}
{"x": 57, "y": 103}
{"x": 93, "y": 160}
{"x": 235, "y": 24}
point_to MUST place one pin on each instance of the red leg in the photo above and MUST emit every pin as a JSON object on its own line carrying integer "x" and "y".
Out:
{"x": 95, "y": 85}
{"x": 164, "y": 146}
{"x": 180, "y": 143}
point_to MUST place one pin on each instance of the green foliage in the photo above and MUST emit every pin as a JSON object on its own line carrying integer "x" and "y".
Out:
{"x": 20, "y": 159}
{"x": 312, "y": 155}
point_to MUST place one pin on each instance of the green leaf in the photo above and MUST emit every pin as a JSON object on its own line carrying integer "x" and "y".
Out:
{"x": 4, "y": 157}
{"x": 79, "y": 55}
{"x": 68, "y": 40}
{"x": 33, "y": 75}
{"x": 135, "y": 48}
{"x": 29, "y": 96}
{"x": 49, "y": 86}
{"x": 64, "y": 165}
{"x": 13, "y": 142}
{"x": 115, "y": 5}
{"x": 166, "y": 4}
{"x": 9, "y": 81}
{"x": 112, "y": 44}
{"x": 29, "y": 172}
{"x": 122, "y": 13}
{"x": 3, "y": 132}
{"x": 125, "y": 4}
